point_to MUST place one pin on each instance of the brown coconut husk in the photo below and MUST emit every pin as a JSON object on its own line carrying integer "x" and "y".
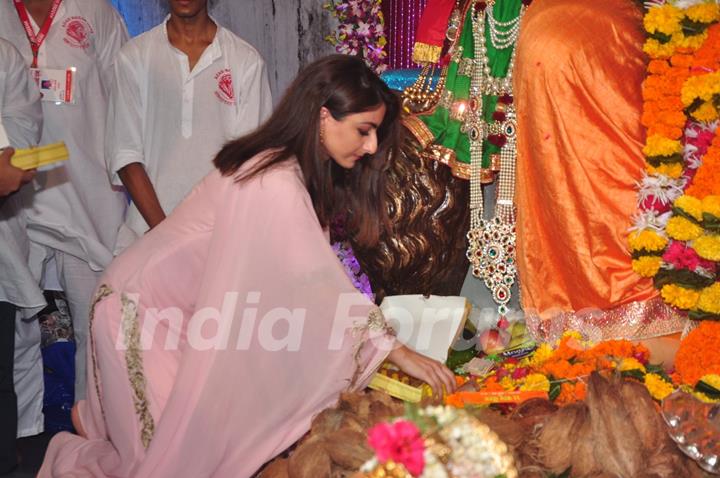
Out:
{"x": 310, "y": 460}
{"x": 533, "y": 413}
{"x": 348, "y": 449}
{"x": 617, "y": 442}
{"x": 326, "y": 421}
{"x": 556, "y": 437}
{"x": 277, "y": 469}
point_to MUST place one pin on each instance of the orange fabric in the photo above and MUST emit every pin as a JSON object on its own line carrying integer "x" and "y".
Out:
{"x": 579, "y": 69}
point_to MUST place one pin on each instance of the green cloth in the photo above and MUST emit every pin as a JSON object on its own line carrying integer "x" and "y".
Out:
{"x": 447, "y": 131}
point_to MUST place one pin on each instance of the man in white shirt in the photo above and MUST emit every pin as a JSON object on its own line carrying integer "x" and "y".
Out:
{"x": 73, "y": 213}
{"x": 20, "y": 296}
{"x": 181, "y": 91}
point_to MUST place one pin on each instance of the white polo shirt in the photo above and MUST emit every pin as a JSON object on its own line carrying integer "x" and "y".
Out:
{"x": 74, "y": 208}
{"x": 174, "y": 121}
{"x": 21, "y": 116}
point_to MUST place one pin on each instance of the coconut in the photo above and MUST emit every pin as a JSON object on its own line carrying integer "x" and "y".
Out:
{"x": 558, "y": 433}
{"x": 277, "y": 469}
{"x": 326, "y": 421}
{"x": 617, "y": 442}
{"x": 347, "y": 448}
{"x": 310, "y": 460}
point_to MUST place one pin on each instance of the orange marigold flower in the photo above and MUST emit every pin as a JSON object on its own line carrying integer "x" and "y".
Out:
{"x": 699, "y": 354}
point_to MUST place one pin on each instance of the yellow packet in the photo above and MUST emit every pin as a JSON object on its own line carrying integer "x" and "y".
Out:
{"x": 33, "y": 158}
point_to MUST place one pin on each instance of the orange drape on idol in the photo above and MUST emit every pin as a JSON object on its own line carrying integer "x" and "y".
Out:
{"x": 579, "y": 70}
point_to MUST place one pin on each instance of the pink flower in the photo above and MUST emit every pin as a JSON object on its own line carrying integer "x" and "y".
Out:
{"x": 520, "y": 372}
{"x": 684, "y": 257}
{"x": 401, "y": 442}
{"x": 652, "y": 203}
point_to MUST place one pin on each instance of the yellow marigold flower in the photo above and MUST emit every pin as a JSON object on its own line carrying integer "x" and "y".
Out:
{"x": 541, "y": 354}
{"x": 711, "y": 205}
{"x": 706, "y": 112}
{"x": 535, "y": 382}
{"x": 655, "y": 49}
{"x": 657, "y": 386}
{"x": 572, "y": 334}
{"x": 704, "y": 12}
{"x": 704, "y": 398}
{"x": 709, "y": 300}
{"x": 701, "y": 86}
{"x": 691, "y": 205}
{"x": 507, "y": 383}
{"x": 712, "y": 379}
{"x": 665, "y": 19}
{"x": 657, "y": 145}
{"x": 673, "y": 170}
{"x": 679, "y": 297}
{"x": 646, "y": 239}
{"x": 647, "y": 266}
{"x": 682, "y": 229}
{"x": 629, "y": 363}
{"x": 708, "y": 247}
{"x": 691, "y": 42}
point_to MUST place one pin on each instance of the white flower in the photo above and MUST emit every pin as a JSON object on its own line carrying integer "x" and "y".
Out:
{"x": 686, "y": 3}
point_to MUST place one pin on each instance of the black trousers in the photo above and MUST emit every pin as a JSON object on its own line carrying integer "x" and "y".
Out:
{"x": 8, "y": 399}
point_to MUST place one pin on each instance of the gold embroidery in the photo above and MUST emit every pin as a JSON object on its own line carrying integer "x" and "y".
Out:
{"x": 419, "y": 130}
{"x": 376, "y": 322}
{"x": 134, "y": 364}
{"x": 102, "y": 292}
{"x": 460, "y": 170}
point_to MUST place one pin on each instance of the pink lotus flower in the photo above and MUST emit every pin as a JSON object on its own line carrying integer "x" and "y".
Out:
{"x": 401, "y": 442}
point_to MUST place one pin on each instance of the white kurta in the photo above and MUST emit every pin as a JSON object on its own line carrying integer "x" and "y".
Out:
{"x": 174, "y": 121}
{"x": 74, "y": 209}
{"x": 21, "y": 116}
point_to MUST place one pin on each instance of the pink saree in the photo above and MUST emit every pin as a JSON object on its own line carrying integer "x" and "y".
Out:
{"x": 218, "y": 336}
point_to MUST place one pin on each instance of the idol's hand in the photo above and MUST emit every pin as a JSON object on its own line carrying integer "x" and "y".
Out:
{"x": 11, "y": 178}
{"x": 426, "y": 369}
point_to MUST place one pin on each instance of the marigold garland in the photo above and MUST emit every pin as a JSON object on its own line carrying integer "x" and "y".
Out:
{"x": 698, "y": 355}
{"x": 681, "y": 96}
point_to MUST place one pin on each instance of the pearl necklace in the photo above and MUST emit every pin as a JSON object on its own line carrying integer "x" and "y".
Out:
{"x": 491, "y": 243}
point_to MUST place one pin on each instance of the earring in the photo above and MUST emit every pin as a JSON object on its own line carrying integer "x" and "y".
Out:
{"x": 322, "y": 134}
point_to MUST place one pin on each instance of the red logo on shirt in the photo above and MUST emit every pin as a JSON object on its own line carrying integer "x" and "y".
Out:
{"x": 77, "y": 32}
{"x": 225, "y": 91}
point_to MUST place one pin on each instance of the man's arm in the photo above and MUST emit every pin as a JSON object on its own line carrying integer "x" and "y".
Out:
{"x": 142, "y": 192}
{"x": 124, "y": 139}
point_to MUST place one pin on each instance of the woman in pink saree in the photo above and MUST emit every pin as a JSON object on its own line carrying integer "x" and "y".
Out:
{"x": 219, "y": 335}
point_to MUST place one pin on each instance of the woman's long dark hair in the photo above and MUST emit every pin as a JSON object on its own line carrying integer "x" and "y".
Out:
{"x": 344, "y": 85}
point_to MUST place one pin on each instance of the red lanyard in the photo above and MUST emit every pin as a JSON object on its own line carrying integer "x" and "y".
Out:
{"x": 36, "y": 41}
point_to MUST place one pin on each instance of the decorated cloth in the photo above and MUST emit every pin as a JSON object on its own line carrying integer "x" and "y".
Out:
{"x": 445, "y": 129}
{"x": 254, "y": 256}
{"x": 579, "y": 70}
{"x": 173, "y": 120}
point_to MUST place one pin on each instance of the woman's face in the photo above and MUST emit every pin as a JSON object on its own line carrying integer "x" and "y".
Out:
{"x": 348, "y": 140}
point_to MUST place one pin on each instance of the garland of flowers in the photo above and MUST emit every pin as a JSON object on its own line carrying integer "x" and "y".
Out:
{"x": 697, "y": 362}
{"x": 437, "y": 442}
{"x": 361, "y": 31}
{"x": 676, "y": 236}
{"x": 561, "y": 370}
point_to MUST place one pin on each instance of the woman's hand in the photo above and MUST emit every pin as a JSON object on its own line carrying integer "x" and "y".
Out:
{"x": 426, "y": 369}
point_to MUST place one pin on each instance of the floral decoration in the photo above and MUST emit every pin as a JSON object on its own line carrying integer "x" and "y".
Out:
{"x": 675, "y": 239}
{"x": 361, "y": 31}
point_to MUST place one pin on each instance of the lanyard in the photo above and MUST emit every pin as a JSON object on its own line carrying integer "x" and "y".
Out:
{"x": 36, "y": 41}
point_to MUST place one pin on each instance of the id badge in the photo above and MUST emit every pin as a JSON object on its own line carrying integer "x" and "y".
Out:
{"x": 56, "y": 86}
